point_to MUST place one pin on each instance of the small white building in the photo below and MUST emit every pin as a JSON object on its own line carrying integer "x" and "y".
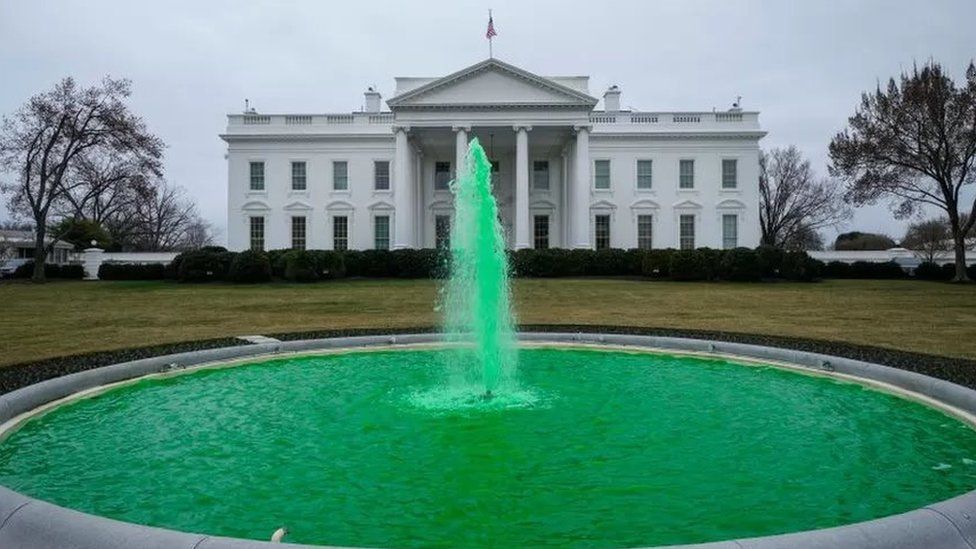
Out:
{"x": 565, "y": 175}
{"x": 17, "y": 248}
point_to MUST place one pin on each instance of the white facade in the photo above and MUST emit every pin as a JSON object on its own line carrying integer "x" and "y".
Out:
{"x": 567, "y": 175}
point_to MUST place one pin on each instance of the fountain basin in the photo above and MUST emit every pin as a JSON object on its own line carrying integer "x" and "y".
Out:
{"x": 31, "y": 523}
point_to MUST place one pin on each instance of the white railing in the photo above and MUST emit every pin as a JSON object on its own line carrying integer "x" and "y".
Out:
{"x": 679, "y": 120}
{"x": 333, "y": 119}
{"x": 298, "y": 120}
{"x": 256, "y": 119}
{"x": 685, "y": 118}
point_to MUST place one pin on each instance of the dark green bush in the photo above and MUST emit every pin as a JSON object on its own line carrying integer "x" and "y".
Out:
{"x": 971, "y": 271}
{"x": 686, "y": 265}
{"x": 277, "y": 260}
{"x": 929, "y": 271}
{"x": 300, "y": 267}
{"x": 51, "y": 270}
{"x": 948, "y": 271}
{"x": 329, "y": 265}
{"x": 711, "y": 262}
{"x": 657, "y": 263}
{"x": 800, "y": 267}
{"x": 868, "y": 270}
{"x": 249, "y": 267}
{"x": 131, "y": 271}
{"x": 208, "y": 264}
{"x": 837, "y": 269}
{"x": 418, "y": 263}
{"x": 770, "y": 261}
{"x": 740, "y": 265}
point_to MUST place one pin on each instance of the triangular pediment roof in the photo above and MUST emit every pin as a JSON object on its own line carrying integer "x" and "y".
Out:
{"x": 492, "y": 83}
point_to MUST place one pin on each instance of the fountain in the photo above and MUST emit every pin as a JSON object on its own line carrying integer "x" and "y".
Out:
{"x": 476, "y": 298}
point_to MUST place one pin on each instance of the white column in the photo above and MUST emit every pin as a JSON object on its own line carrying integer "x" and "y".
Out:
{"x": 522, "y": 187}
{"x": 460, "y": 148}
{"x": 91, "y": 259}
{"x": 580, "y": 215}
{"x": 403, "y": 216}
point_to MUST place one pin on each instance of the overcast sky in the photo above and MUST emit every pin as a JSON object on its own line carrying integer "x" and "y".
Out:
{"x": 803, "y": 65}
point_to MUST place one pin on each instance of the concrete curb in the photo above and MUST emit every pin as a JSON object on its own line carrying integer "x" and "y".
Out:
{"x": 32, "y": 524}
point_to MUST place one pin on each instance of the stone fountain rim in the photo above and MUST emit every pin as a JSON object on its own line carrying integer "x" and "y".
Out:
{"x": 34, "y": 524}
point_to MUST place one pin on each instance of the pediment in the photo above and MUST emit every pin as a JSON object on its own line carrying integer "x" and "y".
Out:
{"x": 339, "y": 205}
{"x": 491, "y": 83}
{"x": 687, "y": 205}
{"x": 255, "y": 205}
{"x": 731, "y": 204}
{"x": 298, "y": 205}
{"x": 442, "y": 205}
{"x": 543, "y": 204}
{"x": 644, "y": 204}
{"x": 381, "y": 205}
{"x": 603, "y": 205}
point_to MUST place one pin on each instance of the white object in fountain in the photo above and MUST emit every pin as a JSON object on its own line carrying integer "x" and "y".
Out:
{"x": 279, "y": 535}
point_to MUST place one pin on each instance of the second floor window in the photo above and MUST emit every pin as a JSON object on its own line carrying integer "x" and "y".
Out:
{"x": 644, "y": 174}
{"x": 381, "y": 232}
{"x": 686, "y": 234}
{"x": 340, "y": 175}
{"x": 540, "y": 224}
{"x": 645, "y": 231}
{"x": 299, "y": 181}
{"x": 381, "y": 175}
{"x": 729, "y": 174}
{"x": 442, "y": 232}
{"x": 540, "y": 175}
{"x": 442, "y": 176}
{"x": 686, "y": 174}
{"x": 601, "y": 226}
{"x": 340, "y": 233}
{"x": 601, "y": 174}
{"x": 257, "y": 233}
{"x": 298, "y": 231}
{"x": 257, "y": 176}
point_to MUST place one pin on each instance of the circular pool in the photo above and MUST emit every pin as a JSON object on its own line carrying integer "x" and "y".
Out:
{"x": 600, "y": 446}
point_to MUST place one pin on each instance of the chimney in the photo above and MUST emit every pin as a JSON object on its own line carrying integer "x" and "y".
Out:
{"x": 373, "y": 100}
{"x": 611, "y": 99}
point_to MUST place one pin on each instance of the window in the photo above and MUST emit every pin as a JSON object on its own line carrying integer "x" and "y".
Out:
{"x": 257, "y": 234}
{"x": 298, "y": 179}
{"x": 686, "y": 236}
{"x": 686, "y": 174}
{"x": 540, "y": 175}
{"x": 645, "y": 231}
{"x": 340, "y": 233}
{"x": 257, "y": 176}
{"x": 381, "y": 175}
{"x": 495, "y": 166}
{"x": 381, "y": 232}
{"x": 442, "y": 176}
{"x": 601, "y": 174}
{"x": 540, "y": 237}
{"x": 729, "y": 173}
{"x": 298, "y": 232}
{"x": 602, "y": 230}
{"x": 442, "y": 232}
{"x": 340, "y": 175}
{"x": 730, "y": 231}
{"x": 644, "y": 170}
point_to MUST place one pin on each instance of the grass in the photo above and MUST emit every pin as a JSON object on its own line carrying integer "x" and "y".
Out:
{"x": 61, "y": 318}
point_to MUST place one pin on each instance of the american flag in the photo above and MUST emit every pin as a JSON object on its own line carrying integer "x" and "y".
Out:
{"x": 491, "y": 28}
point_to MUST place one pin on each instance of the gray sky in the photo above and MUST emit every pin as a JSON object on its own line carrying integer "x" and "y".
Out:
{"x": 802, "y": 64}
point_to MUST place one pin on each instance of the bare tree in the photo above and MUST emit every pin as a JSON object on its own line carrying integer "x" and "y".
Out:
{"x": 44, "y": 139}
{"x": 106, "y": 184}
{"x": 929, "y": 238}
{"x": 165, "y": 219}
{"x": 794, "y": 202}
{"x": 915, "y": 141}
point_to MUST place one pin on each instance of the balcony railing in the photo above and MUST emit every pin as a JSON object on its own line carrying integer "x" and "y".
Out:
{"x": 357, "y": 118}
{"x": 704, "y": 120}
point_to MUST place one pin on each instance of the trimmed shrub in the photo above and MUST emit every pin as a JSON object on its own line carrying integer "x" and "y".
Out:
{"x": 837, "y": 269}
{"x": 971, "y": 271}
{"x": 51, "y": 270}
{"x": 770, "y": 261}
{"x": 328, "y": 264}
{"x": 711, "y": 262}
{"x": 686, "y": 265}
{"x": 868, "y": 270}
{"x": 207, "y": 264}
{"x": 948, "y": 271}
{"x": 300, "y": 266}
{"x": 249, "y": 267}
{"x": 929, "y": 271}
{"x": 798, "y": 266}
{"x": 417, "y": 263}
{"x": 132, "y": 271}
{"x": 740, "y": 265}
{"x": 277, "y": 260}
{"x": 657, "y": 263}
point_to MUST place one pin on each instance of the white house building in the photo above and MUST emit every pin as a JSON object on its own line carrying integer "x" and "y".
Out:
{"x": 565, "y": 175}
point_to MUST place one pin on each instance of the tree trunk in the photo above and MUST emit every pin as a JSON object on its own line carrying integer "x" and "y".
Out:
{"x": 960, "y": 246}
{"x": 40, "y": 256}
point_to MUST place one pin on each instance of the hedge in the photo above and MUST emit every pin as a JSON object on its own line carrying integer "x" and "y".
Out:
{"x": 51, "y": 270}
{"x": 249, "y": 267}
{"x": 131, "y": 271}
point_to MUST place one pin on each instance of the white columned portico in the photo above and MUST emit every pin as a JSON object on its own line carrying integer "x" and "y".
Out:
{"x": 460, "y": 148}
{"x": 580, "y": 215}
{"x": 402, "y": 196}
{"x": 522, "y": 187}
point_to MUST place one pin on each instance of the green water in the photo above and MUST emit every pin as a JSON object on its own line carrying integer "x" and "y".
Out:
{"x": 616, "y": 450}
{"x": 476, "y": 302}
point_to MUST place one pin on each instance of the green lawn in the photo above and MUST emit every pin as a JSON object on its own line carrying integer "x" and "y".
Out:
{"x": 41, "y": 321}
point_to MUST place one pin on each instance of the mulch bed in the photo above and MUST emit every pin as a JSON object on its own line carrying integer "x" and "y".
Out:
{"x": 957, "y": 370}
